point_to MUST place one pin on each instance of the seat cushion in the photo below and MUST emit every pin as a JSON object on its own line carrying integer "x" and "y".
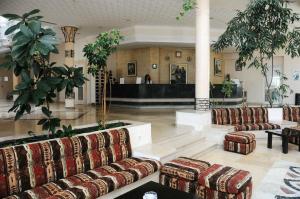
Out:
{"x": 95, "y": 182}
{"x": 240, "y": 137}
{"x": 256, "y": 127}
{"x": 225, "y": 179}
{"x": 184, "y": 168}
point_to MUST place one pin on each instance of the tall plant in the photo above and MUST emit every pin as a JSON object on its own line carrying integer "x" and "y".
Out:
{"x": 258, "y": 33}
{"x": 40, "y": 79}
{"x": 97, "y": 54}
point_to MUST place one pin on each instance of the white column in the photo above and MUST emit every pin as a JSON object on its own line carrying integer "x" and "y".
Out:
{"x": 69, "y": 34}
{"x": 202, "y": 55}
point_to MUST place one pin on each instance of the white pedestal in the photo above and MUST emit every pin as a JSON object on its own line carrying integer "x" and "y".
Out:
{"x": 196, "y": 119}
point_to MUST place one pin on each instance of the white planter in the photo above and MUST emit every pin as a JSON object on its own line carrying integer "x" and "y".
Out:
{"x": 275, "y": 114}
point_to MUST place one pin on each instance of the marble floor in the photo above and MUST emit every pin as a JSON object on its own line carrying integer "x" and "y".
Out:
{"x": 163, "y": 127}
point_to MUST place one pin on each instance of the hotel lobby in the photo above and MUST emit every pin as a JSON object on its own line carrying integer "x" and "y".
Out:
{"x": 150, "y": 99}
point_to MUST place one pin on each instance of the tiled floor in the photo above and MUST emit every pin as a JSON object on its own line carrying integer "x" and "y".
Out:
{"x": 163, "y": 127}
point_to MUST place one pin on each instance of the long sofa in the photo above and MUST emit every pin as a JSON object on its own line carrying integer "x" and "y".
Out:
{"x": 244, "y": 119}
{"x": 83, "y": 166}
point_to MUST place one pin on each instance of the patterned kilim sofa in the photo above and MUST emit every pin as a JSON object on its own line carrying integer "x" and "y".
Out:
{"x": 83, "y": 166}
{"x": 243, "y": 119}
{"x": 291, "y": 113}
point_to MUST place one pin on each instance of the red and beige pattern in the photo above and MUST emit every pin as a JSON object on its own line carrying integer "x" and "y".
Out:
{"x": 224, "y": 182}
{"x": 63, "y": 168}
{"x": 243, "y": 119}
{"x": 291, "y": 113}
{"x": 240, "y": 142}
{"x": 182, "y": 173}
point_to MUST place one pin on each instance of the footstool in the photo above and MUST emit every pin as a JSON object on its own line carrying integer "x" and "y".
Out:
{"x": 240, "y": 142}
{"x": 224, "y": 182}
{"x": 182, "y": 173}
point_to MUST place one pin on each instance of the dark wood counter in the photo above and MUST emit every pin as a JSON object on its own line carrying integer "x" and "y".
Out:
{"x": 162, "y": 94}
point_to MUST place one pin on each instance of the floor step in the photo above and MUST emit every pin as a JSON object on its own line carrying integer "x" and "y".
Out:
{"x": 198, "y": 148}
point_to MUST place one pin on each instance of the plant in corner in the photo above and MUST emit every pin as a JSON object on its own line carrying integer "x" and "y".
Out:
{"x": 283, "y": 91}
{"x": 97, "y": 54}
{"x": 259, "y": 33}
{"x": 40, "y": 79}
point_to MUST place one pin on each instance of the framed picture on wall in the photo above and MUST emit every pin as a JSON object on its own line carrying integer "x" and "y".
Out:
{"x": 178, "y": 73}
{"x": 131, "y": 68}
{"x": 217, "y": 67}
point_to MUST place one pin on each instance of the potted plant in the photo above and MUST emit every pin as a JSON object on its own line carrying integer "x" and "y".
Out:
{"x": 41, "y": 80}
{"x": 97, "y": 54}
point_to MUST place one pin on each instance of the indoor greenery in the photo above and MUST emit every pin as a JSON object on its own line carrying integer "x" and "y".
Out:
{"x": 227, "y": 88}
{"x": 259, "y": 32}
{"x": 283, "y": 91}
{"x": 97, "y": 54}
{"x": 40, "y": 80}
{"x": 187, "y": 6}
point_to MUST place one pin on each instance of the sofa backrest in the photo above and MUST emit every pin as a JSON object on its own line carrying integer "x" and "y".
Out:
{"x": 27, "y": 166}
{"x": 234, "y": 116}
{"x": 291, "y": 113}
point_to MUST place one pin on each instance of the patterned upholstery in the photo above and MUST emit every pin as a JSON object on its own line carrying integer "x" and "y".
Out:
{"x": 64, "y": 166}
{"x": 256, "y": 127}
{"x": 240, "y": 142}
{"x": 224, "y": 182}
{"x": 291, "y": 114}
{"x": 182, "y": 173}
{"x": 243, "y": 119}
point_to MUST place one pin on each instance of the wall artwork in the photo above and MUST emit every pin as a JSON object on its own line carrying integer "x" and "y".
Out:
{"x": 131, "y": 68}
{"x": 296, "y": 75}
{"x": 178, "y": 73}
{"x": 217, "y": 67}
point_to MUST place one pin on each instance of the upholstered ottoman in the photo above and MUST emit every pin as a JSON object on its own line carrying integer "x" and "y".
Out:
{"x": 240, "y": 142}
{"x": 182, "y": 173}
{"x": 224, "y": 182}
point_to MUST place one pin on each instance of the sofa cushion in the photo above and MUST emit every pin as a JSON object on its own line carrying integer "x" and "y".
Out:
{"x": 102, "y": 180}
{"x": 184, "y": 168}
{"x": 236, "y": 116}
{"x": 111, "y": 181}
{"x": 225, "y": 179}
{"x": 291, "y": 113}
{"x": 256, "y": 126}
{"x": 240, "y": 137}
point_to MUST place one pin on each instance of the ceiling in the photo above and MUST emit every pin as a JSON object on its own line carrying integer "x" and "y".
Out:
{"x": 92, "y": 16}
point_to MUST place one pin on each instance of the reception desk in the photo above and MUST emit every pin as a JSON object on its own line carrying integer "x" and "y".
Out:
{"x": 165, "y": 94}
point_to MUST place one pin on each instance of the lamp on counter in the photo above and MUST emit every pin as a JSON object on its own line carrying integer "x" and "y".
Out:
{"x": 154, "y": 66}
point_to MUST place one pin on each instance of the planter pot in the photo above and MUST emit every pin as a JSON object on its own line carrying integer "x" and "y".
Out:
{"x": 275, "y": 114}
{"x": 140, "y": 133}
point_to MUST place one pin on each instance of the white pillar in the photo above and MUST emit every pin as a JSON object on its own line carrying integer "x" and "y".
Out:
{"x": 69, "y": 34}
{"x": 202, "y": 55}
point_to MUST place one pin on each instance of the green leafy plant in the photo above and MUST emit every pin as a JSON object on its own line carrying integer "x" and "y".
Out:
{"x": 187, "y": 6}
{"x": 258, "y": 33}
{"x": 40, "y": 79}
{"x": 97, "y": 54}
{"x": 283, "y": 91}
{"x": 227, "y": 88}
